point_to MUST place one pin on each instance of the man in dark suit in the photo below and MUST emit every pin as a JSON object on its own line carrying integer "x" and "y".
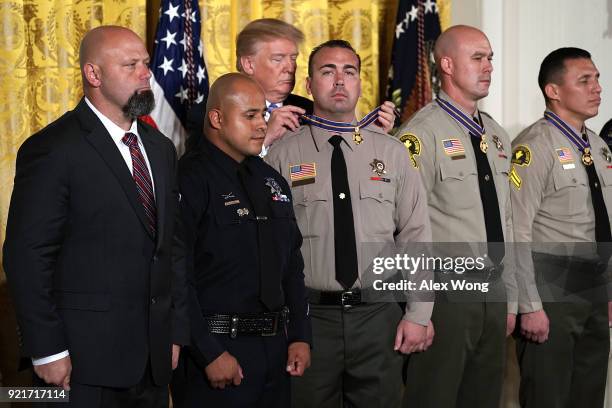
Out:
{"x": 88, "y": 242}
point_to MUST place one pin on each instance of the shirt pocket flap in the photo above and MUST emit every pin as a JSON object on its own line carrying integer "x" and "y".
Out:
{"x": 377, "y": 190}
{"x": 568, "y": 179}
{"x": 306, "y": 195}
{"x": 458, "y": 170}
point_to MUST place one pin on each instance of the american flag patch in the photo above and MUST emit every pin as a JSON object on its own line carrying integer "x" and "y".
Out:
{"x": 565, "y": 155}
{"x": 453, "y": 147}
{"x": 302, "y": 171}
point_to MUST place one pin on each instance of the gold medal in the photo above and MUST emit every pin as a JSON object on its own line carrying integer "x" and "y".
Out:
{"x": 357, "y": 138}
{"x": 483, "y": 144}
{"x": 587, "y": 159}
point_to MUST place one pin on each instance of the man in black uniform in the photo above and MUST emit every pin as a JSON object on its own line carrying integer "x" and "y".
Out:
{"x": 248, "y": 302}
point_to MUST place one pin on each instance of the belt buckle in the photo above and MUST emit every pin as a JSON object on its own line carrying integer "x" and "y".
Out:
{"x": 233, "y": 332}
{"x": 345, "y": 298}
{"x": 276, "y": 318}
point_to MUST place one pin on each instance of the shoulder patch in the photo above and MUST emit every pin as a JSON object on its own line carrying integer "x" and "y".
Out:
{"x": 521, "y": 156}
{"x": 413, "y": 144}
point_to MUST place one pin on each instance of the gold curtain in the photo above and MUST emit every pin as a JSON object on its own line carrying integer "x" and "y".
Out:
{"x": 39, "y": 66}
{"x": 367, "y": 24}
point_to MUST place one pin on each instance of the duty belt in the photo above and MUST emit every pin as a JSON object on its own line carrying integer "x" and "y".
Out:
{"x": 487, "y": 274}
{"x": 248, "y": 324}
{"x": 347, "y": 298}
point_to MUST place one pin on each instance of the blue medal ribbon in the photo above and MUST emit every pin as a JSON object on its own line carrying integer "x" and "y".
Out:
{"x": 582, "y": 145}
{"x": 461, "y": 118}
{"x": 564, "y": 128}
{"x": 340, "y": 127}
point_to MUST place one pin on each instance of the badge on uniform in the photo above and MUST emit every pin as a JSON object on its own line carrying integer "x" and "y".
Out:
{"x": 242, "y": 212}
{"x": 379, "y": 168}
{"x": 606, "y": 154}
{"x": 566, "y": 158}
{"x": 413, "y": 144}
{"x": 521, "y": 156}
{"x": 276, "y": 191}
{"x": 498, "y": 143}
{"x": 301, "y": 174}
{"x": 228, "y": 199}
{"x": 454, "y": 149}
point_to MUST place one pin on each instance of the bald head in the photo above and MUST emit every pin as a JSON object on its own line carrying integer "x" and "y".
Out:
{"x": 115, "y": 71}
{"x": 463, "y": 58}
{"x": 99, "y": 40}
{"x": 229, "y": 88}
{"x": 235, "y": 116}
{"x": 451, "y": 40}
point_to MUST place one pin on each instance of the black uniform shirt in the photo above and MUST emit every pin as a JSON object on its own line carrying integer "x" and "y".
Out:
{"x": 221, "y": 240}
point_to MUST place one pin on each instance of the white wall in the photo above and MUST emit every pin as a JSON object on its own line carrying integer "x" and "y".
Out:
{"x": 522, "y": 33}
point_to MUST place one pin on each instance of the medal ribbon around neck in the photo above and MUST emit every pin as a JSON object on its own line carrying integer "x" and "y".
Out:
{"x": 340, "y": 127}
{"x": 583, "y": 146}
{"x": 461, "y": 118}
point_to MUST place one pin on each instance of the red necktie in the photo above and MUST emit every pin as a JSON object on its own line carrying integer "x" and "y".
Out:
{"x": 142, "y": 178}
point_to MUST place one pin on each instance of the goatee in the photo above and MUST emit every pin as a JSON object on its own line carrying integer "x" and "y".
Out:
{"x": 140, "y": 103}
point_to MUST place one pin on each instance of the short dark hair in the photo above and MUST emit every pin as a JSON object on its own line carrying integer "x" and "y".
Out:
{"x": 332, "y": 44}
{"x": 553, "y": 66}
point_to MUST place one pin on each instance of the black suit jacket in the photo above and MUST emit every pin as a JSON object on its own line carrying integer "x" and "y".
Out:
{"x": 85, "y": 272}
{"x": 300, "y": 102}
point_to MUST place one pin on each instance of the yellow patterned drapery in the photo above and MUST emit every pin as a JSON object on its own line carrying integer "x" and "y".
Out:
{"x": 39, "y": 71}
{"x": 367, "y": 24}
{"x": 358, "y": 21}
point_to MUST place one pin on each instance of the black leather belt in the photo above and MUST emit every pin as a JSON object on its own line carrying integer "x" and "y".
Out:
{"x": 488, "y": 273}
{"x": 248, "y": 324}
{"x": 346, "y": 298}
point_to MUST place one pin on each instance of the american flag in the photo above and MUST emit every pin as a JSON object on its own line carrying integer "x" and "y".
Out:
{"x": 302, "y": 171}
{"x": 453, "y": 146}
{"x": 179, "y": 74}
{"x": 565, "y": 155}
{"x": 411, "y": 82}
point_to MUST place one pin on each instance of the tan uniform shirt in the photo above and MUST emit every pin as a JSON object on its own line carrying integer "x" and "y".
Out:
{"x": 441, "y": 149}
{"x": 384, "y": 211}
{"x": 551, "y": 199}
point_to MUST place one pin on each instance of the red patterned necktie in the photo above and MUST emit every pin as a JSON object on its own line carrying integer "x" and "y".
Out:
{"x": 142, "y": 178}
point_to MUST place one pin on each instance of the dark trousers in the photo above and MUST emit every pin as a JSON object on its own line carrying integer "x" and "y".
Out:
{"x": 353, "y": 362}
{"x": 145, "y": 394}
{"x": 265, "y": 384}
{"x": 569, "y": 369}
{"x": 464, "y": 367}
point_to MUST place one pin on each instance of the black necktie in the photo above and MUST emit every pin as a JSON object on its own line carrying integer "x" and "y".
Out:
{"x": 490, "y": 205}
{"x": 345, "y": 248}
{"x": 269, "y": 268}
{"x": 602, "y": 222}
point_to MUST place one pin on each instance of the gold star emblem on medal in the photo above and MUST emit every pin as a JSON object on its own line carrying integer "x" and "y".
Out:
{"x": 378, "y": 167}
